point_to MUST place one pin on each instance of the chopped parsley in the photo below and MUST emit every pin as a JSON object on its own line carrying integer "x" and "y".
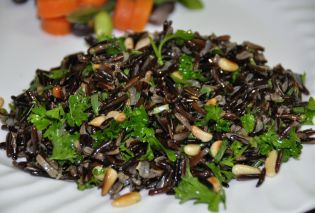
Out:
{"x": 51, "y": 123}
{"x": 190, "y": 188}
{"x": 78, "y": 104}
{"x": 248, "y": 122}
{"x": 137, "y": 127}
{"x": 186, "y": 69}
{"x": 270, "y": 140}
{"x": 307, "y": 112}
{"x": 214, "y": 113}
{"x": 179, "y": 34}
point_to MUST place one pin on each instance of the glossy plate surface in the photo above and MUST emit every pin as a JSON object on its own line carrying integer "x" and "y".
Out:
{"x": 285, "y": 27}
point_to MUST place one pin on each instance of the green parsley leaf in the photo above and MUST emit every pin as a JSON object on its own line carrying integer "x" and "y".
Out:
{"x": 214, "y": 114}
{"x": 237, "y": 148}
{"x": 179, "y": 34}
{"x": 270, "y": 140}
{"x": 125, "y": 152}
{"x": 51, "y": 123}
{"x": 38, "y": 118}
{"x": 186, "y": 68}
{"x": 137, "y": 127}
{"x": 248, "y": 122}
{"x": 190, "y": 188}
{"x": 222, "y": 175}
{"x": 109, "y": 133}
{"x": 78, "y": 104}
{"x": 63, "y": 144}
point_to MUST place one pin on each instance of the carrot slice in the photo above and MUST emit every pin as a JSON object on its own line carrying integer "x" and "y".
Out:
{"x": 56, "y": 26}
{"x": 123, "y": 14}
{"x": 95, "y": 3}
{"x": 141, "y": 14}
{"x": 55, "y": 8}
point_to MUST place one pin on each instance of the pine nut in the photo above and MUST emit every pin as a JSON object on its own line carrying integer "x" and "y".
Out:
{"x": 227, "y": 65}
{"x": 200, "y": 134}
{"x": 118, "y": 116}
{"x": 270, "y": 163}
{"x": 97, "y": 122}
{"x": 215, "y": 147}
{"x": 129, "y": 44}
{"x": 192, "y": 149}
{"x": 127, "y": 199}
{"x": 1, "y": 102}
{"x": 110, "y": 178}
{"x": 142, "y": 43}
{"x": 212, "y": 102}
{"x": 215, "y": 183}
{"x": 240, "y": 169}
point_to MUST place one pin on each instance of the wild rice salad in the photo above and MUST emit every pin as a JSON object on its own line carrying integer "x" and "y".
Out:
{"x": 171, "y": 112}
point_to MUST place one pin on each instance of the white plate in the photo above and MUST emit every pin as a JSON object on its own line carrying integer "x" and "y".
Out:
{"x": 285, "y": 27}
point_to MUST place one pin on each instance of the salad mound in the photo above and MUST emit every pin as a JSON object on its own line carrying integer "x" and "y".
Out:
{"x": 172, "y": 112}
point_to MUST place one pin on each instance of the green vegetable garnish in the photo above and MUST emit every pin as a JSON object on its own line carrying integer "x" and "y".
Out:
{"x": 179, "y": 34}
{"x": 307, "y": 112}
{"x": 190, "y": 188}
{"x": 248, "y": 122}
{"x": 78, "y": 104}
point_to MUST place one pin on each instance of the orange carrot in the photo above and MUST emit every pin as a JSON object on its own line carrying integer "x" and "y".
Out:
{"x": 95, "y": 3}
{"x": 55, "y": 8}
{"x": 56, "y": 26}
{"x": 56, "y": 91}
{"x": 123, "y": 14}
{"x": 141, "y": 14}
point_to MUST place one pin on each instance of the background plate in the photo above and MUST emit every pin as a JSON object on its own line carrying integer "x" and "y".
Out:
{"x": 285, "y": 27}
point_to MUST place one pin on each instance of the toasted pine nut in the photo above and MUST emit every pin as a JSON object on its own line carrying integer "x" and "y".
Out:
{"x": 192, "y": 149}
{"x": 227, "y": 65}
{"x": 118, "y": 116}
{"x": 212, "y": 102}
{"x": 129, "y": 44}
{"x": 215, "y": 183}
{"x": 270, "y": 163}
{"x": 200, "y": 134}
{"x": 1, "y": 102}
{"x": 142, "y": 43}
{"x": 96, "y": 66}
{"x": 215, "y": 147}
{"x": 127, "y": 199}
{"x": 240, "y": 169}
{"x": 97, "y": 122}
{"x": 110, "y": 178}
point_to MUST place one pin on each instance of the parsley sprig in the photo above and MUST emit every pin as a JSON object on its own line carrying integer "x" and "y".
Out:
{"x": 179, "y": 34}
{"x": 190, "y": 188}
